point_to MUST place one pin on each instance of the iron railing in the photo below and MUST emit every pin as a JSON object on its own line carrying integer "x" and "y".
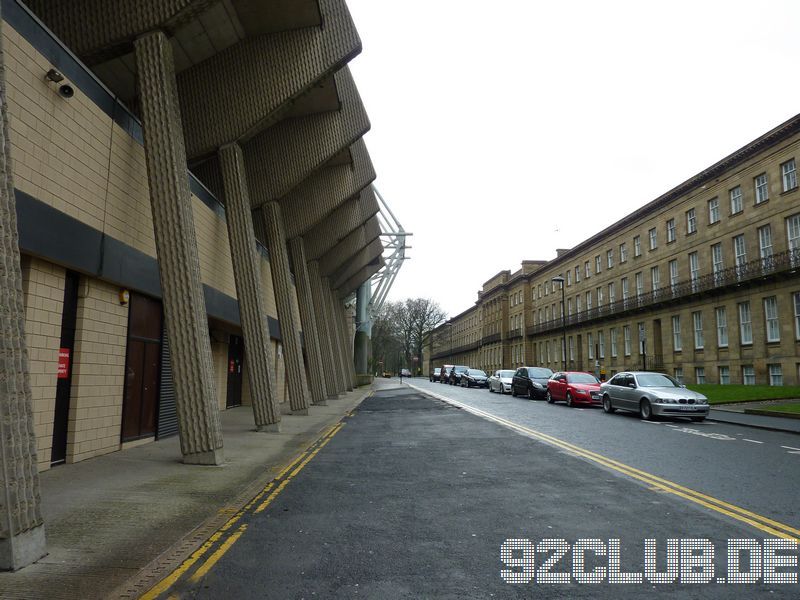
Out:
{"x": 514, "y": 333}
{"x": 491, "y": 338}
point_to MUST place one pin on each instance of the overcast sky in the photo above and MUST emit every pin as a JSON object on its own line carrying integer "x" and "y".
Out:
{"x": 503, "y": 130}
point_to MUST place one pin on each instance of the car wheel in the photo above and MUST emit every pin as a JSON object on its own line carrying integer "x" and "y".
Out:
{"x": 698, "y": 419}
{"x": 549, "y": 397}
{"x": 569, "y": 400}
{"x": 607, "y": 407}
{"x": 531, "y": 393}
{"x": 513, "y": 391}
{"x": 645, "y": 410}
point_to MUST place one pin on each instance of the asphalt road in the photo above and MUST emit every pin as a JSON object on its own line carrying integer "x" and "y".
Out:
{"x": 755, "y": 469}
{"x": 414, "y": 498}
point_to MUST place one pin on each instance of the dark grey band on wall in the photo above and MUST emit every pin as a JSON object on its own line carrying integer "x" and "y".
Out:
{"x": 50, "y": 234}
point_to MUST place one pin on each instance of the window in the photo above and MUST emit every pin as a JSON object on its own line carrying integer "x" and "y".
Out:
{"x": 599, "y": 297}
{"x": 676, "y": 333}
{"x": 569, "y": 277}
{"x": 789, "y": 175}
{"x": 699, "y": 375}
{"x": 736, "y": 200}
{"x": 639, "y": 283}
{"x": 694, "y": 270}
{"x": 771, "y": 317}
{"x": 653, "y": 237}
{"x": 569, "y": 307}
{"x": 739, "y": 251}
{"x": 546, "y": 313}
{"x": 577, "y": 274}
{"x": 623, "y": 252}
{"x": 612, "y": 293}
{"x": 765, "y": 242}
{"x": 609, "y": 259}
{"x": 697, "y": 320}
{"x": 678, "y": 374}
{"x": 673, "y": 274}
{"x": 597, "y": 264}
{"x": 655, "y": 278}
{"x": 586, "y": 271}
{"x": 578, "y": 304}
{"x": 637, "y": 246}
{"x": 716, "y": 262}
{"x": 762, "y": 188}
{"x": 745, "y": 325}
{"x": 691, "y": 221}
{"x": 748, "y": 375}
{"x": 625, "y": 289}
{"x": 713, "y": 211}
{"x": 571, "y": 348}
{"x": 626, "y": 336}
{"x": 590, "y": 341}
{"x": 796, "y": 297}
{"x": 775, "y": 374}
{"x": 612, "y": 334}
{"x": 670, "y": 230}
{"x": 793, "y": 234}
{"x": 547, "y": 350}
{"x": 724, "y": 375}
{"x": 588, "y": 300}
{"x": 722, "y": 326}
{"x": 539, "y": 294}
{"x": 601, "y": 345}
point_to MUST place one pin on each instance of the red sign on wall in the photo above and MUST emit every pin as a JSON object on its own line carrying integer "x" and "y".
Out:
{"x": 63, "y": 363}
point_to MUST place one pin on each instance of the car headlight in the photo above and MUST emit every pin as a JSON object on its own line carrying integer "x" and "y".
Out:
{"x": 583, "y": 392}
{"x": 538, "y": 385}
{"x": 702, "y": 401}
{"x": 666, "y": 400}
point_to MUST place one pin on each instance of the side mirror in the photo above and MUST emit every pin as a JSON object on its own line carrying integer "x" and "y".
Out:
{"x": 632, "y": 386}
{"x": 683, "y": 386}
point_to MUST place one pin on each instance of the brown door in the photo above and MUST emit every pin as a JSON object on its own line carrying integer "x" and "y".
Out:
{"x": 235, "y": 356}
{"x": 142, "y": 367}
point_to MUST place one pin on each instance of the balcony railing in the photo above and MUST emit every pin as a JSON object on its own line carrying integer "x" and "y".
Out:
{"x": 443, "y": 353}
{"x": 514, "y": 333}
{"x": 491, "y": 338}
{"x": 755, "y": 269}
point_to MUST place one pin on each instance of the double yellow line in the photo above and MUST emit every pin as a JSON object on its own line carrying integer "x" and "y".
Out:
{"x": 254, "y": 506}
{"x": 770, "y": 526}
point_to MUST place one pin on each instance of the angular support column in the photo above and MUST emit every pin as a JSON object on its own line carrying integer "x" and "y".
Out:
{"x": 247, "y": 274}
{"x": 327, "y": 343}
{"x": 363, "y": 339}
{"x": 22, "y": 538}
{"x": 321, "y": 385}
{"x": 337, "y": 336}
{"x": 176, "y": 244}
{"x": 282, "y": 284}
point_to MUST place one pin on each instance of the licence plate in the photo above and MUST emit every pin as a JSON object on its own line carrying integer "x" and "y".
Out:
{"x": 687, "y": 408}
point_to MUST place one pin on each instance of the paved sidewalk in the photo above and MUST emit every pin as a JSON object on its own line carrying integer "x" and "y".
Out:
{"x": 738, "y": 417}
{"x": 109, "y": 518}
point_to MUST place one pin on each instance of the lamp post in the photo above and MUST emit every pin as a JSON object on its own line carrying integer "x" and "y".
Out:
{"x": 560, "y": 280}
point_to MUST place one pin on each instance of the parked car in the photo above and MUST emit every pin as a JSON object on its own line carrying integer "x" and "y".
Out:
{"x": 434, "y": 377}
{"x": 473, "y": 377}
{"x": 444, "y": 376}
{"x": 531, "y": 381}
{"x": 652, "y": 395}
{"x": 501, "y": 381}
{"x": 405, "y": 373}
{"x": 454, "y": 378}
{"x": 574, "y": 387}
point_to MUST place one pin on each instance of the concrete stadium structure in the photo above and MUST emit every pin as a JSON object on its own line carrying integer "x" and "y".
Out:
{"x": 701, "y": 283}
{"x": 186, "y": 202}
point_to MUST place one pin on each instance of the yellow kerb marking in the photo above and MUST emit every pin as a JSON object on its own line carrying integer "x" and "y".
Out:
{"x": 217, "y": 554}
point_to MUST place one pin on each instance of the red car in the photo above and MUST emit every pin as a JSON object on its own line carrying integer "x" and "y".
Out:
{"x": 574, "y": 387}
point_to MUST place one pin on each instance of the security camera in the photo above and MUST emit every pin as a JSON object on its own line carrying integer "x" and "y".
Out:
{"x": 54, "y": 76}
{"x": 66, "y": 91}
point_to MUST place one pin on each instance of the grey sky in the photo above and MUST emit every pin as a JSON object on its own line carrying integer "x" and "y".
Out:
{"x": 502, "y": 131}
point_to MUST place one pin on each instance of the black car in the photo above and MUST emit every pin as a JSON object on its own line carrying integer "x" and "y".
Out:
{"x": 530, "y": 381}
{"x": 454, "y": 378}
{"x": 444, "y": 374}
{"x": 474, "y": 377}
{"x": 435, "y": 375}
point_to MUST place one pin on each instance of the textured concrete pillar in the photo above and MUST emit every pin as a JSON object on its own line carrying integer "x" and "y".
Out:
{"x": 247, "y": 274}
{"x": 327, "y": 344}
{"x": 282, "y": 284}
{"x": 21, "y": 526}
{"x": 320, "y": 384}
{"x": 364, "y": 328}
{"x": 176, "y": 244}
{"x": 337, "y": 336}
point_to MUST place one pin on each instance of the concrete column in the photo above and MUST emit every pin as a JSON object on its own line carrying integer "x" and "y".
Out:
{"x": 179, "y": 266}
{"x": 22, "y": 538}
{"x": 282, "y": 284}
{"x": 247, "y": 273}
{"x": 320, "y": 384}
{"x": 363, "y": 328}
{"x": 327, "y": 344}
{"x": 337, "y": 335}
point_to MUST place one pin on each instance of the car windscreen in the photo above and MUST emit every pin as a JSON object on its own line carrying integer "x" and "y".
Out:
{"x": 656, "y": 380}
{"x": 477, "y": 372}
{"x": 539, "y": 373}
{"x": 461, "y": 369}
{"x": 508, "y": 374}
{"x": 581, "y": 378}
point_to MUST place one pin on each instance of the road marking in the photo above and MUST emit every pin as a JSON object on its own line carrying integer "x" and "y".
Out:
{"x": 650, "y": 422}
{"x": 303, "y": 459}
{"x": 790, "y": 448}
{"x": 752, "y": 441}
{"x": 774, "y": 528}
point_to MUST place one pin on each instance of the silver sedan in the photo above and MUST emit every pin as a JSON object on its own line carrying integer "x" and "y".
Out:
{"x": 500, "y": 381}
{"x": 652, "y": 395}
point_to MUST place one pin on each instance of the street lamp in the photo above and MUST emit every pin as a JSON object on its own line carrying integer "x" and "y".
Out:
{"x": 560, "y": 280}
